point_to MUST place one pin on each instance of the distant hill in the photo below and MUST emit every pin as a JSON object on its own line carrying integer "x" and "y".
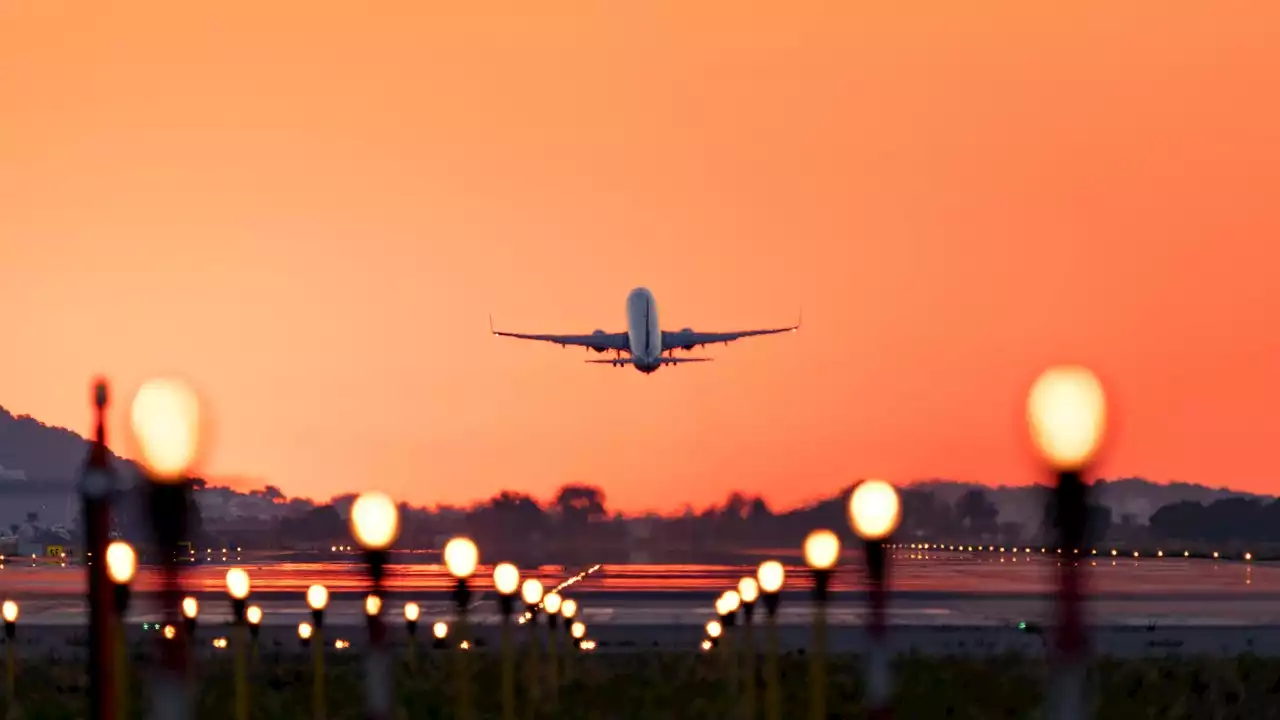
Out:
{"x": 1127, "y": 496}
{"x": 46, "y": 453}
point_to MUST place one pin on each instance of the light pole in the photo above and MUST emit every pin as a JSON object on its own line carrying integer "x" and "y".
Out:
{"x": 1067, "y": 414}
{"x": 375, "y": 523}
{"x": 506, "y": 581}
{"x": 304, "y": 634}
{"x": 10, "y": 612}
{"x": 317, "y": 600}
{"x": 749, "y": 591}
{"x": 238, "y": 590}
{"x": 727, "y": 608}
{"x": 577, "y": 631}
{"x": 411, "y": 614}
{"x": 97, "y": 483}
{"x": 771, "y": 576}
{"x": 461, "y": 557}
{"x": 874, "y": 513}
{"x": 122, "y": 565}
{"x": 551, "y": 604}
{"x": 254, "y": 615}
{"x": 190, "y": 615}
{"x": 440, "y": 631}
{"x": 821, "y": 551}
{"x": 714, "y": 630}
{"x": 531, "y": 593}
{"x": 568, "y": 609}
{"x": 165, "y": 417}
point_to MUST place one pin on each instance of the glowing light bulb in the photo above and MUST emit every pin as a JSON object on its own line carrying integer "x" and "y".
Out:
{"x": 10, "y": 611}
{"x": 412, "y": 612}
{"x": 375, "y": 520}
{"x": 440, "y": 630}
{"x": 165, "y": 418}
{"x": 821, "y": 549}
{"x": 714, "y": 629}
{"x": 190, "y": 608}
{"x": 304, "y": 630}
{"x": 732, "y": 601}
{"x": 506, "y": 578}
{"x": 531, "y": 591}
{"x": 238, "y": 583}
{"x": 577, "y": 630}
{"x": 569, "y": 608}
{"x": 461, "y": 556}
{"x": 874, "y": 510}
{"x": 372, "y": 605}
{"x": 551, "y": 601}
{"x": 122, "y": 562}
{"x": 771, "y": 576}
{"x": 254, "y": 615}
{"x": 317, "y": 597}
{"x": 1067, "y": 415}
{"x": 748, "y": 589}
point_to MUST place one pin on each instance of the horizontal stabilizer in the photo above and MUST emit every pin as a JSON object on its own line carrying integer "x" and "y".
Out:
{"x": 631, "y": 361}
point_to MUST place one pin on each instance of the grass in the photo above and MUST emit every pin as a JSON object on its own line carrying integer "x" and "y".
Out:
{"x": 689, "y": 686}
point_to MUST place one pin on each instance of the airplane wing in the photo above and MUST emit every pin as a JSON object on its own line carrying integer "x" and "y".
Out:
{"x": 596, "y": 341}
{"x": 690, "y": 339}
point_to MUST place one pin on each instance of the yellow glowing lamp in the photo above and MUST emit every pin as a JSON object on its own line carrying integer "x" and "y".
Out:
{"x": 874, "y": 510}
{"x": 714, "y": 629}
{"x": 375, "y": 520}
{"x": 569, "y": 608}
{"x": 190, "y": 608}
{"x": 821, "y": 549}
{"x": 317, "y": 597}
{"x": 412, "y": 612}
{"x": 461, "y": 556}
{"x": 372, "y": 605}
{"x": 771, "y": 576}
{"x": 440, "y": 630}
{"x": 706, "y": 645}
{"x": 1248, "y": 556}
{"x": 254, "y": 615}
{"x": 170, "y": 632}
{"x": 10, "y": 611}
{"x": 1067, "y": 415}
{"x": 304, "y": 630}
{"x": 122, "y": 562}
{"x": 238, "y": 583}
{"x": 506, "y": 578}
{"x": 748, "y": 589}
{"x": 732, "y": 601}
{"x": 577, "y": 630}
{"x": 165, "y": 418}
{"x": 551, "y": 602}
{"x": 531, "y": 591}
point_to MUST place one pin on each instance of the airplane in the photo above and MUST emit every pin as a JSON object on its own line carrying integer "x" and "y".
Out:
{"x": 648, "y": 346}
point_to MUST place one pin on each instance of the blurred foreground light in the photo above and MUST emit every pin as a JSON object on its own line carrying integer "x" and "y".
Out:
{"x": 874, "y": 510}
{"x": 304, "y": 630}
{"x": 170, "y": 632}
{"x": 122, "y": 562}
{"x": 317, "y": 597}
{"x": 732, "y": 601}
{"x": 577, "y": 629}
{"x": 714, "y": 629}
{"x": 1067, "y": 415}
{"x": 771, "y": 576}
{"x": 372, "y": 605}
{"x": 10, "y": 611}
{"x": 551, "y": 602}
{"x": 569, "y": 608}
{"x": 706, "y": 645}
{"x": 440, "y": 630}
{"x": 220, "y": 642}
{"x": 749, "y": 589}
{"x": 238, "y": 583}
{"x": 1248, "y": 556}
{"x": 375, "y": 520}
{"x": 506, "y": 578}
{"x": 165, "y": 418}
{"x": 190, "y": 608}
{"x": 461, "y": 556}
{"x": 254, "y": 615}
{"x": 412, "y": 612}
{"x": 821, "y": 549}
{"x": 531, "y": 591}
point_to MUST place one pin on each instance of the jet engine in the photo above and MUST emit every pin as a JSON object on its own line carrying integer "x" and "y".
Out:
{"x": 690, "y": 331}
{"x": 601, "y": 348}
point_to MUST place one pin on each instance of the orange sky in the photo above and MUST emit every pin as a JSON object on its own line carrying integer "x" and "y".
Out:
{"x": 310, "y": 210}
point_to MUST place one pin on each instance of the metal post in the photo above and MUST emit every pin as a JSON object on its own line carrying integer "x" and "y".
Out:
{"x": 378, "y": 670}
{"x": 879, "y": 682}
{"x": 96, "y": 485}
{"x": 1068, "y": 685}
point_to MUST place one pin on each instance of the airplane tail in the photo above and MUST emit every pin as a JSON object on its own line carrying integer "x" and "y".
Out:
{"x": 665, "y": 361}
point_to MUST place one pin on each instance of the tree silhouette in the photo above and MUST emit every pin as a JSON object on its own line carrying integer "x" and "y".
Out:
{"x": 579, "y": 504}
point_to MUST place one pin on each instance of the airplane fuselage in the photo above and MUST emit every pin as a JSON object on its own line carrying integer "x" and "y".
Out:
{"x": 643, "y": 333}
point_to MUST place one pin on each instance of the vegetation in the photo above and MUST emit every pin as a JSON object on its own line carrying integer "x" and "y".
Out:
{"x": 689, "y": 686}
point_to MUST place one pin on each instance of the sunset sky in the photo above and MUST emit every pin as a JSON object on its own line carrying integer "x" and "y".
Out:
{"x": 310, "y": 209}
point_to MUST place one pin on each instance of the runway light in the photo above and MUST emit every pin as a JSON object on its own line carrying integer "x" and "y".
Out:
{"x": 821, "y": 549}
{"x": 10, "y": 611}
{"x": 771, "y": 576}
{"x": 122, "y": 562}
{"x": 714, "y": 629}
{"x": 506, "y": 578}
{"x": 461, "y": 557}
{"x": 531, "y": 591}
{"x": 731, "y": 602}
{"x": 1248, "y": 556}
{"x": 190, "y": 608}
{"x": 372, "y": 605}
{"x": 170, "y": 632}
{"x": 706, "y": 645}
{"x": 569, "y": 608}
{"x": 1067, "y": 414}
{"x": 874, "y": 510}
{"x": 237, "y": 583}
{"x": 317, "y": 597}
{"x": 165, "y": 418}
{"x": 254, "y": 615}
{"x": 375, "y": 520}
{"x": 551, "y": 603}
{"x": 412, "y": 612}
{"x": 304, "y": 631}
{"x": 440, "y": 630}
{"x": 748, "y": 589}
{"x": 577, "y": 630}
